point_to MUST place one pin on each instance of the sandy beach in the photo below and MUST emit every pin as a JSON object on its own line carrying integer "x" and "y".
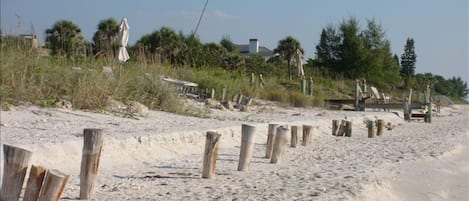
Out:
{"x": 159, "y": 156}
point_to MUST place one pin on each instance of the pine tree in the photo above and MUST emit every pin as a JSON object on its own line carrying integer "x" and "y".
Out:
{"x": 408, "y": 60}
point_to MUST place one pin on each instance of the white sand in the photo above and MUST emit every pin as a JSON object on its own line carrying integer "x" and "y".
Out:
{"x": 159, "y": 157}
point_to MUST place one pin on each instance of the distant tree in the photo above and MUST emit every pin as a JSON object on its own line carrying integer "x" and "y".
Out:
{"x": 105, "y": 38}
{"x": 379, "y": 64}
{"x": 228, "y": 44}
{"x": 214, "y": 55}
{"x": 193, "y": 55}
{"x": 396, "y": 59}
{"x": 166, "y": 43}
{"x": 255, "y": 63}
{"x": 352, "y": 51}
{"x": 287, "y": 48}
{"x": 65, "y": 38}
{"x": 408, "y": 60}
{"x": 327, "y": 51}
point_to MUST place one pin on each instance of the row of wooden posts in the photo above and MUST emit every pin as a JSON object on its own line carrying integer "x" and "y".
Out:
{"x": 277, "y": 140}
{"x": 48, "y": 184}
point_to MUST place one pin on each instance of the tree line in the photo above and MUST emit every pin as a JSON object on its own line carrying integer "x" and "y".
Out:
{"x": 344, "y": 48}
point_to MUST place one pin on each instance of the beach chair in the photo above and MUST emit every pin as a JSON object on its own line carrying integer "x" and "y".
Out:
{"x": 379, "y": 97}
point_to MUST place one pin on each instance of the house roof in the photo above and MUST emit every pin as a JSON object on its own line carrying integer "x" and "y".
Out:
{"x": 263, "y": 51}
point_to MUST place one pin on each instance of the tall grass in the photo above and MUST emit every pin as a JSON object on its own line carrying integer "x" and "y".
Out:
{"x": 28, "y": 77}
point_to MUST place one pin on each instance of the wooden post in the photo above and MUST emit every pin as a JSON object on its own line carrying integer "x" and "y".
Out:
{"x": 211, "y": 154}
{"x": 212, "y": 94}
{"x": 272, "y": 129}
{"x": 371, "y": 128}
{"x": 335, "y": 126}
{"x": 356, "y": 94}
{"x": 223, "y": 94}
{"x": 15, "y": 165}
{"x": 303, "y": 86}
{"x": 294, "y": 136}
{"x": 280, "y": 144}
{"x": 33, "y": 187}
{"x": 92, "y": 146}
{"x": 261, "y": 81}
{"x": 380, "y": 127}
{"x": 348, "y": 130}
{"x": 341, "y": 131}
{"x": 240, "y": 99}
{"x": 310, "y": 86}
{"x": 247, "y": 146}
{"x": 54, "y": 185}
{"x": 306, "y": 134}
{"x": 253, "y": 79}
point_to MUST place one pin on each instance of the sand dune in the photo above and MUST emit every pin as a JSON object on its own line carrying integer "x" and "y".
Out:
{"x": 159, "y": 157}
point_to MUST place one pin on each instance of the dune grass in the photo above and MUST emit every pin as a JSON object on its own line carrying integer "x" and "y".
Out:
{"x": 28, "y": 77}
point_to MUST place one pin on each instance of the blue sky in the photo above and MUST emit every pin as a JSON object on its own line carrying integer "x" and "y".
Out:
{"x": 440, "y": 28}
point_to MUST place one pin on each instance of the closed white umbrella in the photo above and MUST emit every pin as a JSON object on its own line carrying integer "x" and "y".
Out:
{"x": 299, "y": 64}
{"x": 123, "y": 55}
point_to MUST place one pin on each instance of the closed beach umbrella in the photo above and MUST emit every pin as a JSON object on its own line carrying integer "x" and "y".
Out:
{"x": 123, "y": 55}
{"x": 299, "y": 64}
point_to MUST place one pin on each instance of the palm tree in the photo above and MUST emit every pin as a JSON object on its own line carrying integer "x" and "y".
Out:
{"x": 287, "y": 48}
{"x": 105, "y": 37}
{"x": 65, "y": 38}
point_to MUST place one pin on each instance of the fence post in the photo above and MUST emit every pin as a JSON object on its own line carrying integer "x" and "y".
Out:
{"x": 92, "y": 146}
{"x": 34, "y": 185}
{"x": 247, "y": 146}
{"x": 348, "y": 130}
{"x": 212, "y": 94}
{"x": 380, "y": 127}
{"x": 53, "y": 187}
{"x": 272, "y": 129}
{"x": 310, "y": 86}
{"x": 371, "y": 128}
{"x": 15, "y": 166}
{"x": 335, "y": 126}
{"x": 211, "y": 154}
{"x": 306, "y": 134}
{"x": 281, "y": 140}
{"x": 223, "y": 94}
{"x": 294, "y": 136}
{"x": 341, "y": 131}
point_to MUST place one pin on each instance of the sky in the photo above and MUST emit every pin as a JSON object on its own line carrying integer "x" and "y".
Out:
{"x": 440, "y": 29}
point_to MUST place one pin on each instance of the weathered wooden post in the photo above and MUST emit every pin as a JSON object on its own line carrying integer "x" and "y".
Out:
{"x": 281, "y": 140}
{"x": 211, "y": 153}
{"x": 380, "y": 127}
{"x": 92, "y": 146}
{"x": 272, "y": 129}
{"x": 371, "y": 128}
{"x": 356, "y": 94}
{"x": 247, "y": 146}
{"x": 261, "y": 81}
{"x": 34, "y": 185}
{"x": 53, "y": 186}
{"x": 406, "y": 108}
{"x": 15, "y": 166}
{"x": 306, "y": 134}
{"x": 223, "y": 94}
{"x": 341, "y": 130}
{"x": 335, "y": 126}
{"x": 253, "y": 79}
{"x": 348, "y": 130}
{"x": 303, "y": 86}
{"x": 310, "y": 86}
{"x": 212, "y": 94}
{"x": 294, "y": 136}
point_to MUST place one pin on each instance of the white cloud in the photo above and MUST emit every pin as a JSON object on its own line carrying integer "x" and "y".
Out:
{"x": 224, "y": 16}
